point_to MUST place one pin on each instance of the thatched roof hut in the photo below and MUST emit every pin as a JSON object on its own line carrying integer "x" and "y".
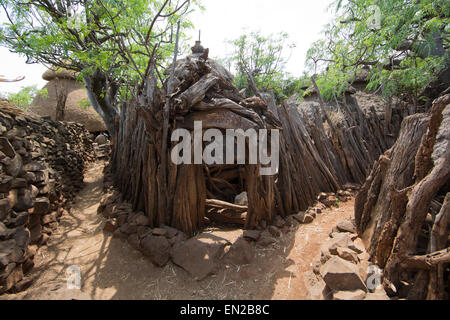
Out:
{"x": 76, "y": 109}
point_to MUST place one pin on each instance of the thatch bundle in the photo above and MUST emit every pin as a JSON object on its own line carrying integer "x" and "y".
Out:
{"x": 312, "y": 159}
{"x": 76, "y": 109}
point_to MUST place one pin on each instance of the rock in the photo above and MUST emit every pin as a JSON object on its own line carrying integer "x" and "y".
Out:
{"x": 17, "y": 219}
{"x": 307, "y": 219}
{"x": 274, "y": 231}
{"x": 171, "y": 232}
{"x": 279, "y": 222}
{"x": 6, "y": 184}
{"x": 7, "y": 148}
{"x": 160, "y": 232}
{"x": 330, "y": 201}
{"x": 19, "y": 183}
{"x": 12, "y": 252}
{"x": 119, "y": 234}
{"x": 35, "y": 166}
{"x": 266, "y": 239}
{"x": 357, "y": 246}
{"x": 242, "y": 199}
{"x": 349, "y": 295}
{"x": 101, "y": 140}
{"x": 10, "y": 281}
{"x": 36, "y": 234}
{"x": 252, "y": 235}
{"x": 5, "y": 233}
{"x": 341, "y": 275}
{"x": 134, "y": 241}
{"x": 142, "y": 220}
{"x": 110, "y": 226}
{"x": 23, "y": 284}
{"x": 299, "y": 216}
{"x": 129, "y": 228}
{"x": 22, "y": 237}
{"x": 346, "y": 226}
{"x": 199, "y": 256}
{"x": 14, "y": 166}
{"x": 5, "y": 206}
{"x": 348, "y": 255}
{"x": 143, "y": 232}
{"x": 322, "y": 196}
{"x": 49, "y": 218}
{"x": 340, "y": 240}
{"x": 157, "y": 249}
{"x": 25, "y": 200}
{"x": 240, "y": 253}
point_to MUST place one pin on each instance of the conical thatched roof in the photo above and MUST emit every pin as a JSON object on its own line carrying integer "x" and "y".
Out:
{"x": 75, "y": 111}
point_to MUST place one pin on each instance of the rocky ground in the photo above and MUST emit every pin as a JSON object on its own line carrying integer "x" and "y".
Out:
{"x": 272, "y": 267}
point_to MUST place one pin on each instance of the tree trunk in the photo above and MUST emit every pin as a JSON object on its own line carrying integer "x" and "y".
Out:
{"x": 102, "y": 95}
{"x": 392, "y": 206}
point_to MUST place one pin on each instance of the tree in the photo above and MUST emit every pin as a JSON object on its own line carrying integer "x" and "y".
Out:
{"x": 25, "y": 96}
{"x": 260, "y": 63}
{"x": 113, "y": 44}
{"x": 404, "y": 43}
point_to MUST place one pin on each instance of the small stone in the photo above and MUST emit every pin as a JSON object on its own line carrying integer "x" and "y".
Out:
{"x": 119, "y": 234}
{"x": 171, "y": 232}
{"x": 142, "y": 220}
{"x": 143, "y": 232}
{"x": 110, "y": 226}
{"x": 157, "y": 249}
{"x": 241, "y": 199}
{"x": 159, "y": 232}
{"x": 348, "y": 255}
{"x": 266, "y": 239}
{"x": 128, "y": 228}
{"x": 274, "y": 231}
{"x": 240, "y": 253}
{"x": 308, "y": 219}
{"x": 299, "y": 216}
{"x": 41, "y": 206}
{"x": 279, "y": 222}
{"x": 35, "y": 166}
{"x": 252, "y": 235}
{"x": 346, "y": 226}
{"x": 134, "y": 241}
{"x": 357, "y": 246}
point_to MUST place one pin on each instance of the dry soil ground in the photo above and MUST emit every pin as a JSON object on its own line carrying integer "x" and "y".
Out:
{"x": 111, "y": 269}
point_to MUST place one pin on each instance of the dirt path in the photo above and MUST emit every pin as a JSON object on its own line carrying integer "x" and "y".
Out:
{"x": 111, "y": 269}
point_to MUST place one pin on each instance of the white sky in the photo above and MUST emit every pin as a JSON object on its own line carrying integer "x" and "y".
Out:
{"x": 222, "y": 20}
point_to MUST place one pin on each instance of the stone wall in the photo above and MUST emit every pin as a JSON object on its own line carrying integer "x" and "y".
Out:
{"x": 41, "y": 170}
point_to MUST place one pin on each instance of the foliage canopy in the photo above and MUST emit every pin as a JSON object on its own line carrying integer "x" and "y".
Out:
{"x": 404, "y": 43}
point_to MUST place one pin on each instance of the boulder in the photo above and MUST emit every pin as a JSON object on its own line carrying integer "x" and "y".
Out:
{"x": 199, "y": 256}
{"x": 157, "y": 249}
{"x": 341, "y": 275}
{"x": 240, "y": 253}
{"x": 346, "y": 226}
